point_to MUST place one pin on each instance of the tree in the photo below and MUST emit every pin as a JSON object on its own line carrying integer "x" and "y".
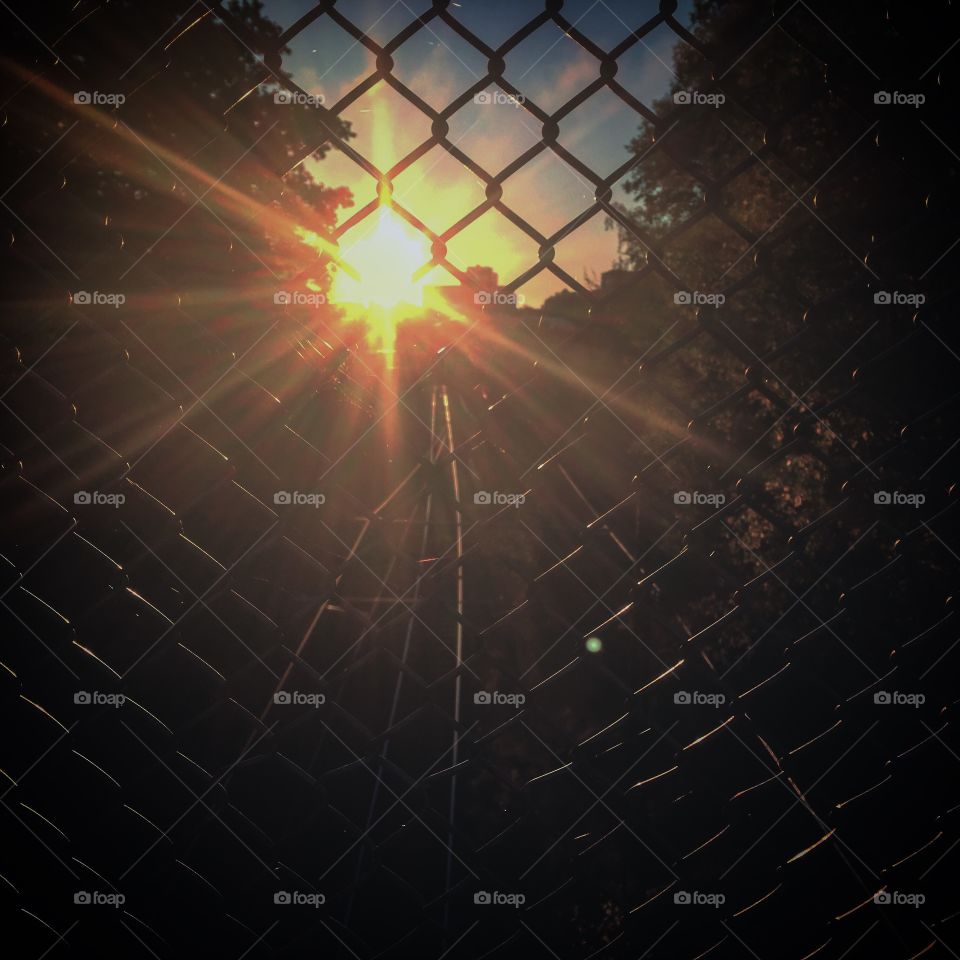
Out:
{"x": 566, "y": 304}
{"x": 798, "y": 200}
{"x": 195, "y": 159}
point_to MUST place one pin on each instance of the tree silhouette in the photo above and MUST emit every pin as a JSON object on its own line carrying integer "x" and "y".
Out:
{"x": 800, "y": 200}
{"x": 196, "y": 160}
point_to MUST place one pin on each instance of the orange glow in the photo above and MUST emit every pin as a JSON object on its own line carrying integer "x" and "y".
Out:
{"x": 373, "y": 280}
{"x": 385, "y": 259}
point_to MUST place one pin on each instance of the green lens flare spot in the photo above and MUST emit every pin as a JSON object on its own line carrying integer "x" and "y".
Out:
{"x": 594, "y": 644}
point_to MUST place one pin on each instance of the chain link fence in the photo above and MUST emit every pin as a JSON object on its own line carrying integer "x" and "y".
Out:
{"x": 631, "y": 640}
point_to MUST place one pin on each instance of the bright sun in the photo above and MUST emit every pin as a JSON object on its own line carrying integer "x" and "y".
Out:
{"x": 384, "y": 258}
{"x": 373, "y": 281}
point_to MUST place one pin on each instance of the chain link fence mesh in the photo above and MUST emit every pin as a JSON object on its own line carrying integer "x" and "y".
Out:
{"x": 601, "y": 643}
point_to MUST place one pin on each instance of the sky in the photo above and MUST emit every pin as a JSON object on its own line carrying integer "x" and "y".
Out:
{"x": 438, "y": 65}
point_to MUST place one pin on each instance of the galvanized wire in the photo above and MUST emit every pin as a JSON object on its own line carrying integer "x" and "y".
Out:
{"x": 713, "y": 741}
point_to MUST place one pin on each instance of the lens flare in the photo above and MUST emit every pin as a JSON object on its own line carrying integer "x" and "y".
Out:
{"x": 385, "y": 259}
{"x": 375, "y": 280}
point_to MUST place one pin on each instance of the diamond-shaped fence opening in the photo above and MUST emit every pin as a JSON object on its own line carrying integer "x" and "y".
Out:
{"x": 618, "y": 626}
